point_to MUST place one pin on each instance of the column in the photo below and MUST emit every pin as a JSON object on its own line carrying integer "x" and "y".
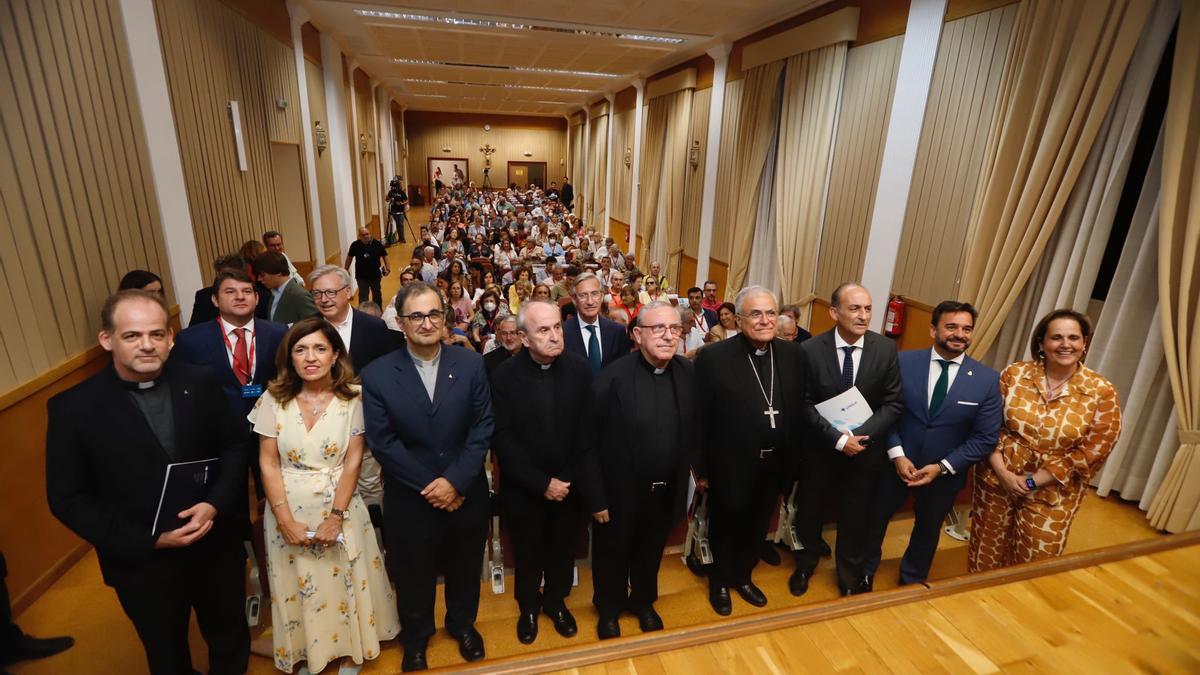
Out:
{"x": 298, "y": 17}
{"x": 581, "y": 180}
{"x": 162, "y": 147}
{"x": 339, "y": 148}
{"x": 900, "y": 150}
{"x": 635, "y": 182}
{"x": 608, "y": 164}
{"x": 712, "y": 155}
{"x": 356, "y": 151}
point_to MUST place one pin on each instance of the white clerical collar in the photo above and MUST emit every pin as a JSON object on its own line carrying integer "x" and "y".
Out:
{"x": 840, "y": 343}
{"x": 659, "y": 371}
{"x": 146, "y": 385}
{"x": 761, "y": 352}
{"x": 934, "y": 357}
{"x": 545, "y": 366}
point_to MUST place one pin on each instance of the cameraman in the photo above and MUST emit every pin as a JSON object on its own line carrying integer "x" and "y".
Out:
{"x": 397, "y": 204}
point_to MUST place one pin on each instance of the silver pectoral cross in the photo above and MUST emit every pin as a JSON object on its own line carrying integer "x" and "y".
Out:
{"x": 771, "y": 412}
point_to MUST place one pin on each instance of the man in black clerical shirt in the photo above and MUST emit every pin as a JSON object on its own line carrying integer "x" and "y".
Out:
{"x": 108, "y": 445}
{"x": 635, "y": 488}
{"x": 509, "y": 344}
{"x": 751, "y": 392}
{"x": 537, "y": 397}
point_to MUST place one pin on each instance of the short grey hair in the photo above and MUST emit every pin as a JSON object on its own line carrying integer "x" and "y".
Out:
{"x": 508, "y": 318}
{"x": 657, "y": 304}
{"x": 751, "y": 291}
{"x": 586, "y": 276}
{"x": 329, "y": 269}
{"x": 525, "y": 308}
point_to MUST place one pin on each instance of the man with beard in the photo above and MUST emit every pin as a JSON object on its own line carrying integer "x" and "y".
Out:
{"x": 952, "y": 416}
{"x": 537, "y": 396}
{"x": 847, "y": 462}
{"x": 508, "y": 344}
{"x": 635, "y": 489}
{"x": 752, "y": 395}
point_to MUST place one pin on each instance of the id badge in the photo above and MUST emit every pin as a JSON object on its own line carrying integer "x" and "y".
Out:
{"x": 252, "y": 390}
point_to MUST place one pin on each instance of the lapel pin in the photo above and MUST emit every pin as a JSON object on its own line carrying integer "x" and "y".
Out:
{"x": 970, "y": 373}
{"x": 452, "y": 376}
{"x": 185, "y": 392}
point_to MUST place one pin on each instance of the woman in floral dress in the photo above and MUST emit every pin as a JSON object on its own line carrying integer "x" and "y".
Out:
{"x": 330, "y": 595}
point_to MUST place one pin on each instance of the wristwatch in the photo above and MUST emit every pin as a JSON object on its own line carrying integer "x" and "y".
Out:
{"x": 340, "y": 513}
{"x": 1029, "y": 482}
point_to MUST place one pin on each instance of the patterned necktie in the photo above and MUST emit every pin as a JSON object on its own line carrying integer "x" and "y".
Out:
{"x": 241, "y": 358}
{"x": 939, "y": 388}
{"x": 848, "y": 368}
{"x": 594, "y": 350}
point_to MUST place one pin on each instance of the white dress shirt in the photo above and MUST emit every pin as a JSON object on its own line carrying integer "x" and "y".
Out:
{"x": 935, "y": 372}
{"x": 228, "y": 328}
{"x": 587, "y": 335}
{"x": 856, "y": 358}
{"x": 345, "y": 328}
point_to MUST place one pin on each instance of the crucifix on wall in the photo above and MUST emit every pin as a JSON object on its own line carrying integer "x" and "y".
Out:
{"x": 487, "y": 151}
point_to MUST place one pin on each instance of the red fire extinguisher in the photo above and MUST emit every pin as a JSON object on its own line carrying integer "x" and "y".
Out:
{"x": 893, "y": 325}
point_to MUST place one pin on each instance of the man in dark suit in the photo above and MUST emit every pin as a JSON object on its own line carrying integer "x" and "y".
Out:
{"x": 508, "y": 344}
{"x": 428, "y": 413}
{"x": 798, "y": 333}
{"x": 751, "y": 389}
{"x": 952, "y": 416}
{"x": 704, "y": 319}
{"x": 203, "y": 307}
{"x": 598, "y": 340}
{"x": 108, "y": 444}
{"x": 365, "y": 337}
{"x": 635, "y": 482}
{"x": 537, "y": 396}
{"x": 849, "y": 461}
{"x": 289, "y": 301}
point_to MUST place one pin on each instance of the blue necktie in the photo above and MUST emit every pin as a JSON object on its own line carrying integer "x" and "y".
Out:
{"x": 848, "y": 368}
{"x": 594, "y": 350}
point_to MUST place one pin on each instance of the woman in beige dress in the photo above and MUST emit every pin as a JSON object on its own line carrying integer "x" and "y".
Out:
{"x": 330, "y": 595}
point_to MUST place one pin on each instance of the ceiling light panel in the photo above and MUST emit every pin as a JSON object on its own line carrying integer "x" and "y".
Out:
{"x": 523, "y": 69}
{"x": 455, "y": 21}
{"x": 504, "y": 85}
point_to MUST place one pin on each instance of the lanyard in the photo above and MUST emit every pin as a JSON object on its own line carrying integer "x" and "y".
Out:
{"x": 249, "y": 349}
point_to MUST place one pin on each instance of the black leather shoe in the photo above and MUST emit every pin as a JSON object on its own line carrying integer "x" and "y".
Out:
{"x": 648, "y": 619}
{"x": 470, "y": 644}
{"x": 527, "y": 627}
{"x": 564, "y": 622}
{"x": 608, "y": 627}
{"x": 718, "y": 597}
{"x": 414, "y": 658}
{"x": 769, "y": 554}
{"x": 752, "y": 594}
{"x": 28, "y": 647}
{"x": 824, "y": 549}
{"x": 798, "y": 582}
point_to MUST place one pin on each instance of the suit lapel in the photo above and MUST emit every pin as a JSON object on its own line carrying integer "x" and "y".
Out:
{"x": 961, "y": 382}
{"x": 122, "y": 407}
{"x": 182, "y": 407}
{"x": 832, "y": 360}
{"x": 447, "y": 366}
{"x": 411, "y": 379}
{"x": 921, "y": 383}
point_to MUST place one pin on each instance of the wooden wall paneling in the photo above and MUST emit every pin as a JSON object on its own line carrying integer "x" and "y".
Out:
{"x": 694, "y": 180}
{"x": 726, "y": 175}
{"x": 323, "y": 161}
{"x": 966, "y": 79}
{"x": 857, "y": 154}
{"x": 283, "y": 126}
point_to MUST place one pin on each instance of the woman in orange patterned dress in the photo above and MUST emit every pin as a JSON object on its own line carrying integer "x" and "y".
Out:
{"x": 1061, "y": 420}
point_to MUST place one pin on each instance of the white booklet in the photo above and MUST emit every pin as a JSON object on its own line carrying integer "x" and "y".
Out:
{"x": 847, "y": 411}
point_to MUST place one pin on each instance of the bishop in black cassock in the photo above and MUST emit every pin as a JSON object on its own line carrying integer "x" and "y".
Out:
{"x": 751, "y": 393}
{"x": 539, "y": 396}
{"x": 635, "y": 480}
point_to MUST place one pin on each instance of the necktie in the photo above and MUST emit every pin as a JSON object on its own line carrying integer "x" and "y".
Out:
{"x": 594, "y": 350}
{"x": 241, "y": 358}
{"x": 939, "y": 388}
{"x": 848, "y": 368}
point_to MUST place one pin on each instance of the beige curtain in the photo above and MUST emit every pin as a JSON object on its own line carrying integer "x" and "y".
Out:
{"x": 811, "y": 89}
{"x": 662, "y": 233}
{"x": 1067, "y": 59}
{"x": 758, "y": 120}
{"x": 597, "y": 172}
{"x": 1176, "y": 507}
{"x": 654, "y": 139}
{"x": 724, "y": 209}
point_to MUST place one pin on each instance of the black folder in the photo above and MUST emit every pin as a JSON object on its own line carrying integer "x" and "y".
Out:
{"x": 185, "y": 485}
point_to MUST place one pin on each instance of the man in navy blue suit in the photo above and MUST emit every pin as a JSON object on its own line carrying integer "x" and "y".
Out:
{"x": 428, "y": 414}
{"x": 595, "y": 338}
{"x": 952, "y": 416}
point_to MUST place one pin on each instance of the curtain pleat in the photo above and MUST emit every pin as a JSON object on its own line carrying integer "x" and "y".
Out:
{"x": 811, "y": 91}
{"x": 758, "y": 119}
{"x": 1176, "y": 506}
{"x": 1067, "y": 60}
{"x": 662, "y": 232}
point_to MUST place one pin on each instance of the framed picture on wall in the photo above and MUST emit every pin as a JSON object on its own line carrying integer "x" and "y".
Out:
{"x": 447, "y": 172}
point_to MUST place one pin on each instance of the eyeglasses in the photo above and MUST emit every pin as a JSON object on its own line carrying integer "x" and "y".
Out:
{"x": 759, "y": 315}
{"x": 417, "y": 318}
{"x": 316, "y": 295}
{"x": 591, "y": 295}
{"x": 661, "y": 329}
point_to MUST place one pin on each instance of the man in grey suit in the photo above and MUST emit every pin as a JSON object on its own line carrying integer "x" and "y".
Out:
{"x": 289, "y": 300}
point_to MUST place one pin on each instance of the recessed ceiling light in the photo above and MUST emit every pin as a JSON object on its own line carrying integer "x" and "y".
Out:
{"x": 485, "y": 23}
{"x": 525, "y": 69}
{"x": 502, "y": 86}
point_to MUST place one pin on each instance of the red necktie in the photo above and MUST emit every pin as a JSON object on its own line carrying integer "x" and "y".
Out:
{"x": 241, "y": 360}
